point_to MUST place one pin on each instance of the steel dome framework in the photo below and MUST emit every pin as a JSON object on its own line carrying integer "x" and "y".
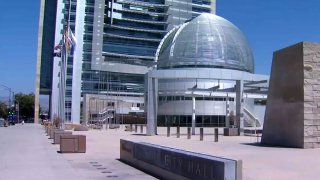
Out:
{"x": 207, "y": 41}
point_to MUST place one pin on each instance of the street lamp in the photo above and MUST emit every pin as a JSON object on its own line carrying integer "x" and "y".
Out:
{"x": 10, "y": 92}
{"x": 9, "y": 97}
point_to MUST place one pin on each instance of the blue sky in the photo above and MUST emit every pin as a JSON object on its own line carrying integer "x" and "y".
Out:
{"x": 268, "y": 24}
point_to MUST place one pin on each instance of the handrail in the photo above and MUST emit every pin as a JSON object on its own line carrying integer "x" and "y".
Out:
{"x": 252, "y": 117}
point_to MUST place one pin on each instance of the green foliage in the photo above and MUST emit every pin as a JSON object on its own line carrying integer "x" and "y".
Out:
{"x": 3, "y": 110}
{"x": 57, "y": 121}
{"x": 26, "y": 104}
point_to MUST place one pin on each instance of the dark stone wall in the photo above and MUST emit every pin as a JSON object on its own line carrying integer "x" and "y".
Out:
{"x": 290, "y": 95}
{"x": 48, "y": 38}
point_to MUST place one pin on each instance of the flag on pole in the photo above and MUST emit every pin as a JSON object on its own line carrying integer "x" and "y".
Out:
{"x": 70, "y": 41}
{"x": 59, "y": 46}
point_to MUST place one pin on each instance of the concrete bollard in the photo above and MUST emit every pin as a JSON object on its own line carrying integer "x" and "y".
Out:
{"x": 131, "y": 127}
{"x": 216, "y": 137}
{"x": 189, "y": 133}
{"x": 136, "y": 128}
{"x": 201, "y": 134}
{"x": 141, "y": 128}
{"x": 178, "y": 132}
{"x": 168, "y": 131}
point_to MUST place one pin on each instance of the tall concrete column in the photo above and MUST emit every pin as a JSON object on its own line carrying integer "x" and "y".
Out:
{"x": 239, "y": 108}
{"x": 151, "y": 103}
{"x": 193, "y": 115}
{"x": 77, "y": 63}
{"x": 38, "y": 67}
{"x": 44, "y": 66}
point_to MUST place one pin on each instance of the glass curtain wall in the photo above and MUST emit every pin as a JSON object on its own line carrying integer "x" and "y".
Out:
{"x": 175, "y": 104}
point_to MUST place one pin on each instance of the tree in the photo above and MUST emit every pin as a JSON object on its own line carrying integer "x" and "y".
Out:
{"x": 3, "y": 110}
{"x": 26, "y": 105}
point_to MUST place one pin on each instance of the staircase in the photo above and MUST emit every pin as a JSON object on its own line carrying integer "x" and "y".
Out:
{"x": 249, "y": 119}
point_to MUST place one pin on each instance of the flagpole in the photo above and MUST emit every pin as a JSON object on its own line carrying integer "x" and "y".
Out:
{"x": 65, "y": 64}
{"x": 62, "y": 78}
{"x": 64, "y": 58}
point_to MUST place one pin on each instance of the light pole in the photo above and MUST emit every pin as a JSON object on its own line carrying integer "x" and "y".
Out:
{"x": 10, "y": 92}
{"x": 9, "y": 97}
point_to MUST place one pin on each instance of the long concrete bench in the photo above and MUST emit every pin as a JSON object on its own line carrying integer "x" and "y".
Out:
{"x": 57, "y": 134}
{"x": 72, "y": 143}
{"x": 169, "y": 163}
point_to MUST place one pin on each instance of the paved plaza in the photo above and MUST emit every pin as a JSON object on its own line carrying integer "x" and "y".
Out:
{"x": 26, "y": 153}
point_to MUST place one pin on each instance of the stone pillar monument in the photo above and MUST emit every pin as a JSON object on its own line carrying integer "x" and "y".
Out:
{"x": 292, "y": 117}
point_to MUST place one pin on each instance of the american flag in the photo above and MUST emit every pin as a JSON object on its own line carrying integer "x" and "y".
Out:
{"x": 70, "y": 41}
{"x": 59, "y": 46}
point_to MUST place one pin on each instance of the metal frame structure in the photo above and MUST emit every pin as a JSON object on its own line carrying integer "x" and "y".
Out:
{"x": 243, "y": 81}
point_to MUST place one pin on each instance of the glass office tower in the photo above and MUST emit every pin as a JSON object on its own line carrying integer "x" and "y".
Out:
{"x": 116, "y": 44}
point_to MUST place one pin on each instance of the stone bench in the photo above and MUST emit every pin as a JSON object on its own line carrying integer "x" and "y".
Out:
{"x": 169, "y": 163}
{"x": 57, "y": 134}
{"x": 114, "y": 126}
{"x": 72, "y": 143}
{"x": 79, "y": 127}
{"x": 252, "y": 131}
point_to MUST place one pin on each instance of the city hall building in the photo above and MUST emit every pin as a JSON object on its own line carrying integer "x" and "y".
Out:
{"x": 174, "y": 63}
{"x": 204, "y": 76}
{"x": 116, "y": 45}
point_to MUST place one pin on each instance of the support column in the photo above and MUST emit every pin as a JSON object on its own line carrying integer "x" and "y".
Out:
{"x": 227, "y": 111}
{"x": 193, "y": 115}
{"x": 151, "y": 102}
{"x": 77, "y": 64}
{"x": 239, "y": 108}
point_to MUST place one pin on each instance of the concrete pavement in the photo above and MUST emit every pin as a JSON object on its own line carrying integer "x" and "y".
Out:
{"x": 26, "y": 153}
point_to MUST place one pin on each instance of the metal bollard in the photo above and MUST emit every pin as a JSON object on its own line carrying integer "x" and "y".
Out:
{"x": 189, "y": 133}
{"x": 178, "y": 132}
{"x": 168, "y": 131}
{"x": 131, "y": 127}
{"x": 141, "y": 128}
{"x": 136, "y": 128}
{"x": 201, "y": 134}
{"x": 216, "y": 137}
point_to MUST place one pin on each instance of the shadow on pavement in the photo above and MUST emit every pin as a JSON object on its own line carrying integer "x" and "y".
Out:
{"x": 258, "y": 144}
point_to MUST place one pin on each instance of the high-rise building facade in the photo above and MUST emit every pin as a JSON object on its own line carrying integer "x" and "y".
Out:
{"x": 116, "y": 45}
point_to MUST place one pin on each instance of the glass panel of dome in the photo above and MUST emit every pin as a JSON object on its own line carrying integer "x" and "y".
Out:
{"x": 208, "y": 40}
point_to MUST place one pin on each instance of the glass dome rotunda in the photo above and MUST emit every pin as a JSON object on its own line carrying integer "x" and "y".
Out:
{"x": 207, "y": 41}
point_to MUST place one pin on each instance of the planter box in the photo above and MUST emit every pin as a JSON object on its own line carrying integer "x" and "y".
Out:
{"x": 72, "y": 143}
{"x": 53, "y": 131}
{"x": 57, "y": 134}
{"x": 231, "y": 132}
